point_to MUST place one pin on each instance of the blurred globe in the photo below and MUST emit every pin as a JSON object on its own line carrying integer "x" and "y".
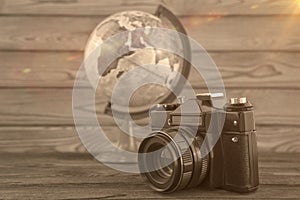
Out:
{"x": 139, "y": 55}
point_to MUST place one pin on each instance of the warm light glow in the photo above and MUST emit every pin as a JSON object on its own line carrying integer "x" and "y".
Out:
{"x": 296, "y": 7}
{"x": 254, "y": 6}
{"x": 296, "y": 3}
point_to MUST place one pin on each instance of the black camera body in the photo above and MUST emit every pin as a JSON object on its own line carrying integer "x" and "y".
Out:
{"x": 232, "y": 162}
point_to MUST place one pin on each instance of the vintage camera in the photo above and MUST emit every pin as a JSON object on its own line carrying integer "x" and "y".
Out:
{"x": 231, "y": 164}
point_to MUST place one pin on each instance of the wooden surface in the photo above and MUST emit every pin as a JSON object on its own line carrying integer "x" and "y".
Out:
{"x": 182, "y": 8}
{"x": 255, "y": 43}
{"x": 78, "y": 176}
{"x": 239, "y": 33}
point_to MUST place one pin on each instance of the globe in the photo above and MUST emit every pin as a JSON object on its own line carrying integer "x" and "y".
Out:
{"x": 139, "y": 55}
{"x": 122, "y": 129}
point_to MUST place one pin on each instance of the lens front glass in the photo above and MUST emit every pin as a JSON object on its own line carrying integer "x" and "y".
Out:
{"x": 164, "y": 163}
{"x": 161, "y": 160}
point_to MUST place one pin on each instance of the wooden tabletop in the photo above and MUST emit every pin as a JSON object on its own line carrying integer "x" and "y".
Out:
{"x": 79, "y": 176}
{"x": 255, "y": 45}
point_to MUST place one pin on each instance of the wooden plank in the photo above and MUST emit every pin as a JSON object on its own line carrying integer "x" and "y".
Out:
{"x": 47, "y": 33}
{"x": 244, "y": 33}
{"x": 39, "y": 69}
{"x": 181, "y": 7}
{"x": 28, "y": 140}
{"x": 78, "y": 176}
{"x": 54, "y": 107}
{"x": 40, "y": 140}
{"x": 254, "y": 70}
{"x": 278, "y": 139}
{"x": 274, "y": 33}
{"x": 238, "y": 69}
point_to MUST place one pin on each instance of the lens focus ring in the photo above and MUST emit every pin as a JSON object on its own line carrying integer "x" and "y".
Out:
{"x": 200, "y": 163}
{"x": 187, "y": 160}
{"x": 203, "y": 160}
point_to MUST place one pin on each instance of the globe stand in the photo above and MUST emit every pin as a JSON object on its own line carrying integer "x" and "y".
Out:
{"x": 125, "y": 141}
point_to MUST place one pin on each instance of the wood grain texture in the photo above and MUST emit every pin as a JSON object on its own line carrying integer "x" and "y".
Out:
{"x": 274, "y": 139}
{"x": 255, "y": 43}
{"x": 274, "y": 33}
{"x": 39, "y": 69}
{"x": 78, "y": 176}
{"x": 238, "y": 69}
{"x": 47, "y": 33}
{"x": 53, "y": 106}
{"x": 40, "y": 139}
{"x": 179, "y": 7}
{"x": 255, "y": 70}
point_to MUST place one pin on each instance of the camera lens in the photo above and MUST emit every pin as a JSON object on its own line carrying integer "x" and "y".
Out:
{"x": 165, "y": 160}
{"x": 168, "y": 163}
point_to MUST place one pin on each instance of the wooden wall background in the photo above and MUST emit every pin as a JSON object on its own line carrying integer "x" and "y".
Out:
{"x": 256, "y": 45}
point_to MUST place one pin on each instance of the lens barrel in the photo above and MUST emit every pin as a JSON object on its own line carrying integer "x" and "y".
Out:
{"x": 169, "y": 163}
